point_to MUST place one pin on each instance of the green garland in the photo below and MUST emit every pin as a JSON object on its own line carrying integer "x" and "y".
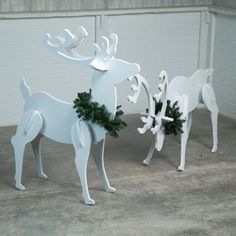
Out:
{"x": 92, "y": 111}
{"x": 174, "y": 127}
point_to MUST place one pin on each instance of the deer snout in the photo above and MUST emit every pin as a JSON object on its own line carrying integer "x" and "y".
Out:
{"x": 163, "y": 75}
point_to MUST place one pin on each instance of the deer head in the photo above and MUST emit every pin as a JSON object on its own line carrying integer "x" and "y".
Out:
{"x": 108, "y": 71}
{"x": 66, "y": 43}
{"x": 151, "y": 117}
{"x": 160, "y": 117}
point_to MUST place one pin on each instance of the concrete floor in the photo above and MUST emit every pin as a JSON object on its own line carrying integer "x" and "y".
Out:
{"x": 153, "y": 200}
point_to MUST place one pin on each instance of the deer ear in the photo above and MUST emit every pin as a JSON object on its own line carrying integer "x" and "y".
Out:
{"x": 99, "y": 64}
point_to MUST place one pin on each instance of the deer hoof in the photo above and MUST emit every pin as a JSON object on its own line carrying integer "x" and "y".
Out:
{"x": 90, "y": 202}
{"x": 20, "y": 187}
{"x": 43, "y": 176}
{"x": 110, "y": 189}
{"x": 145, "y": 162}
{"x": 214, "y": 149}
{"x": 180, "y": 169}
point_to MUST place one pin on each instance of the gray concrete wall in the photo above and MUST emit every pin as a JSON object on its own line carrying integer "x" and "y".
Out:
{"x": 12, "y": 6}
{"x": 30, "y": 6}
{"x": 225, "y": 3}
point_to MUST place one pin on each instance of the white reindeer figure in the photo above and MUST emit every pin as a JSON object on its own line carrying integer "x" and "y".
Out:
{"x": 189, "y": 93}
{"x": 47, "y": 116}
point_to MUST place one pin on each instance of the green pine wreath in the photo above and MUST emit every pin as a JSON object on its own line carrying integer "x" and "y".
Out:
{"x": 88, "y": 110}
{"x": 172, "y": 111}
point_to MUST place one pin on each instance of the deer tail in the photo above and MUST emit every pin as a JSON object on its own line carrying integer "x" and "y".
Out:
{"x": 25, "y": 89}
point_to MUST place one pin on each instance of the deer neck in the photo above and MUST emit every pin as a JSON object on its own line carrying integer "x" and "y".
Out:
{"x": 104, "y": 92}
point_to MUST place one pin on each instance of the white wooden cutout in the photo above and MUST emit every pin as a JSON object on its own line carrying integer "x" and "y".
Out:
{"x": 45, "y": 115}
{"x": 189, "y": 93}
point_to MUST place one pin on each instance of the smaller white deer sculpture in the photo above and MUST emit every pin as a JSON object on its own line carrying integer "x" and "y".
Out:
{"x": 47, "y": 116}
{"x": 189, "y": 93}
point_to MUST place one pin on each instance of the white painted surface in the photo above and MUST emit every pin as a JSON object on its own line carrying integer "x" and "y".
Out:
{"x": 188, "y": 92}
{"x": 224, "y": 80}
{"x": 45, "y": 115}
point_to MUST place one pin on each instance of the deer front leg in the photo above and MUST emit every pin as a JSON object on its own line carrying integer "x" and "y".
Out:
{"x": 19, "y": 155}
{"x": 184, "y": 139}
{"x": 38, "y": 157}
{"x": 214, "y": 121}
{"x": 98, "y": 155}
{"x": 183, "y": 105}
{"x": 27, "y": 129}
{"x": 81, "y": 138}
{"x": 210, "y": 102}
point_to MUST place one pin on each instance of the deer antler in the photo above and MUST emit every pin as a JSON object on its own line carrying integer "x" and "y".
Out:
{"x": 105, "y": 52}
{"x": 148, "y": 117}
{"x": 66, "y": 43}
{"x": 113, "y": 47}
{"x": 161, "y": 97}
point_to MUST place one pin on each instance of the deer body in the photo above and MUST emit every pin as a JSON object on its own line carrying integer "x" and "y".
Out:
{"x": 189, "y": 86}
{"x": 57, "y": 121}
{"x": 189, "y": 92}
{"x": 47, "y": 116}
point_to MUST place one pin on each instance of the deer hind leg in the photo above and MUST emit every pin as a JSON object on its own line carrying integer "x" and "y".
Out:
{"x": 189, "y": 123}
{"x": 98, "y": 155}
{"x": 28, "y": 128}
{"x": 81, "y": 138}
{"x": 184, "y": 139}
{"x": 37, "y": 156}
{"x": 210, "y": 102}
{"x": 150, "y": 152}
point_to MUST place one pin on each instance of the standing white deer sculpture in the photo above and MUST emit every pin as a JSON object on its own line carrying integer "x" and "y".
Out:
{"x": 189, "y": 93}
{"x": 47, "y": 116}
